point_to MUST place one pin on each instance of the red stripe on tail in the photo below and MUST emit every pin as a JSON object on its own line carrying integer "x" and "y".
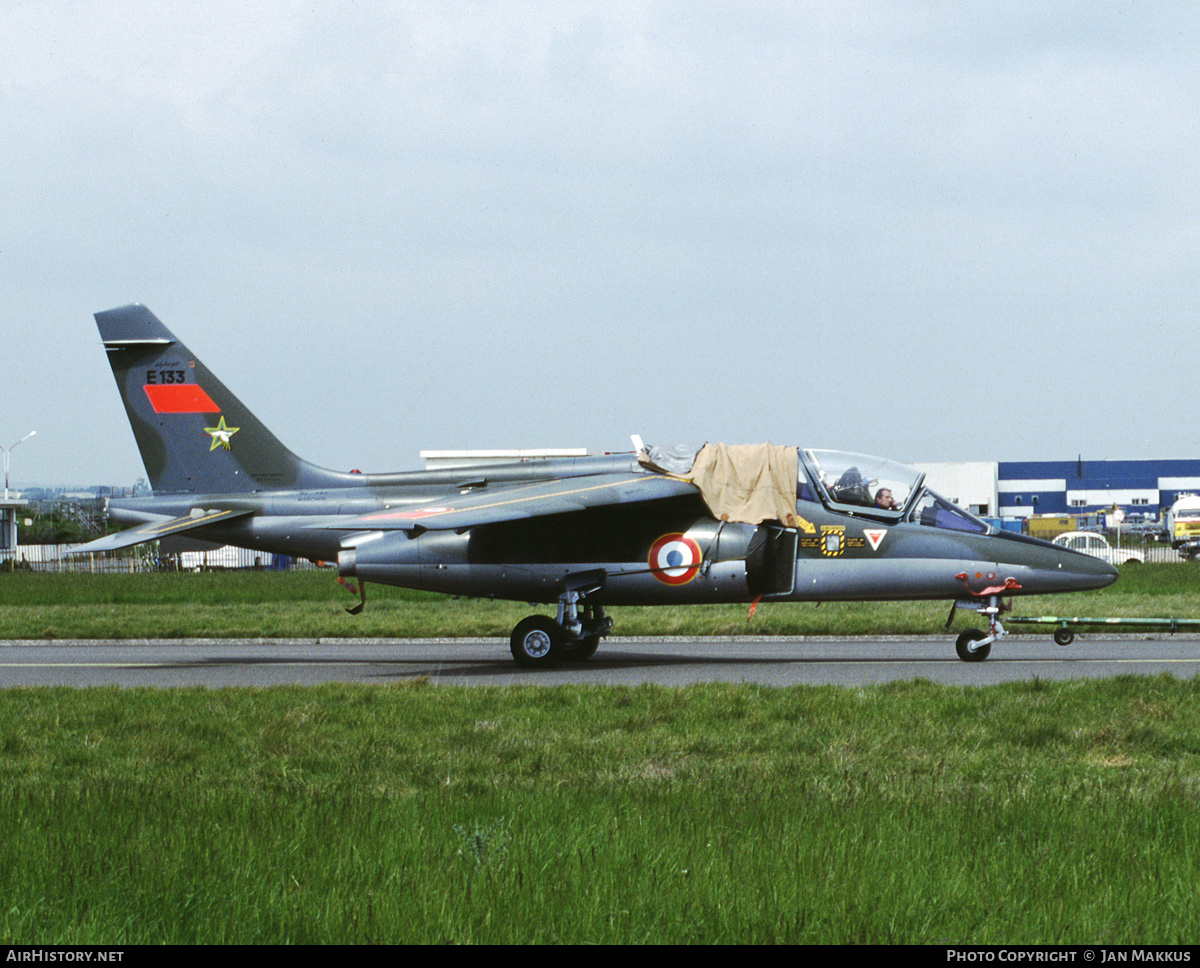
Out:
{"x": 180, "y": 398}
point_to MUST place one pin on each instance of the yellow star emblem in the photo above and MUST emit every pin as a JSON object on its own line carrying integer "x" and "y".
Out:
{"x": 220, "y": 434}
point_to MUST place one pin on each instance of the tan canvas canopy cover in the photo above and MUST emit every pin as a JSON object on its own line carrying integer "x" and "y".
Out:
{"x": 751, "y": 483}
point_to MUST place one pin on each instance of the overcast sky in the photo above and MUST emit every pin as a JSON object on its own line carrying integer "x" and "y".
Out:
{"x": 931, "y": 231}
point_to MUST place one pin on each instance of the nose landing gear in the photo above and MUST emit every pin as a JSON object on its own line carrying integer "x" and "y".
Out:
{"x": 974, "y": 645}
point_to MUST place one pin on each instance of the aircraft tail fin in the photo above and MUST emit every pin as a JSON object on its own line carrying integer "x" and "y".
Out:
{"x": 194, "y": 434}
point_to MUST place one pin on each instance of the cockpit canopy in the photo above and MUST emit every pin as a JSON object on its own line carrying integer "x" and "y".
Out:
{"x": 885, "y": 489}
{"x": 856, "y": 481}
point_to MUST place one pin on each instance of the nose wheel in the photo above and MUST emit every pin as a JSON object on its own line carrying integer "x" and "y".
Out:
{"x": 972, "y": 647}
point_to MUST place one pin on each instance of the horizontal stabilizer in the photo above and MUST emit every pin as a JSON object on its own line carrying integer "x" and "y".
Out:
{"x": 511, "y": 504}
{"x": 158, "y": 529}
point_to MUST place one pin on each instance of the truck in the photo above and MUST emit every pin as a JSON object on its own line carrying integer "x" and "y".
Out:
{"x": 1183, "y": 525}
{"x": 1049, "y": 526}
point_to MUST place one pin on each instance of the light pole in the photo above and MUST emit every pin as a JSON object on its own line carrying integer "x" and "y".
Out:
{"x": 8, "y": 453}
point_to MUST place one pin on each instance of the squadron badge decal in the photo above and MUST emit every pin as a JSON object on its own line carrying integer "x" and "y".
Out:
{"x": 832, "y": 541}
{"x": 221, "y": 435}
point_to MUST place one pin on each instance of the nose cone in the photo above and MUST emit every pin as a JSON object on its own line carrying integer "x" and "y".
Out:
{"x": 1043, "y": 568}
{"x": 1084, "y": 572}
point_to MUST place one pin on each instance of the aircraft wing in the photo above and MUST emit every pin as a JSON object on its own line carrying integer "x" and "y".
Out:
{"x": 524, "y": 501}
{"x": 154, "y": 530}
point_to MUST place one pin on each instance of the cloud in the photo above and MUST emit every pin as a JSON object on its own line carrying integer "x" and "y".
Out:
{"x": 540, "y": 223}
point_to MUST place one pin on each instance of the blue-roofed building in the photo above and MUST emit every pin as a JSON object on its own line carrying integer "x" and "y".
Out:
{"x": 1142, "y": 488}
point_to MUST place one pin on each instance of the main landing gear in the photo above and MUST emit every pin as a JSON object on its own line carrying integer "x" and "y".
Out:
{"x": 539, "y": 641}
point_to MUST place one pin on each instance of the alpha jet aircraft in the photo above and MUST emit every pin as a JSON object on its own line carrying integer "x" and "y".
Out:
{"x": 724, "y": 524}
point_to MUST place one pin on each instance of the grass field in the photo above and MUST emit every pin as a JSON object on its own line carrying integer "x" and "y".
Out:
{"x": 913, "y": 813}
{"x": 310, "y": 604}
{"x": 1042, "y": 812}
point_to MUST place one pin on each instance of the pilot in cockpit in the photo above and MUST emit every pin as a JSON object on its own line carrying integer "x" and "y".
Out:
{"x": 884, "y": 500}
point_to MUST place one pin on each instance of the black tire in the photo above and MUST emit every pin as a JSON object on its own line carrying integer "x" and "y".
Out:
{"x": 965, "y": 649}
{"x": 580, "y": 649}
{"x": 537, "y": 642}
{"x": 1063, "y": 636}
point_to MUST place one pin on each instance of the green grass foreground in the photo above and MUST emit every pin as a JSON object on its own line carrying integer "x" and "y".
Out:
{"x": 1044, "y": 812}
{"x": 310, "y": 604}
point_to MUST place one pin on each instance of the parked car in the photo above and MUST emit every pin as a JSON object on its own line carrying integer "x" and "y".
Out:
{"x": 1096, "y": 546}
{"x": 1151, "y": 531}
{"x": 1190, "y": 550}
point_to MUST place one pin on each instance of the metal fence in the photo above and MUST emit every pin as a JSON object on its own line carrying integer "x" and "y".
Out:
{"x": 55, "y": 558}
{"x": 1153, "y": 553}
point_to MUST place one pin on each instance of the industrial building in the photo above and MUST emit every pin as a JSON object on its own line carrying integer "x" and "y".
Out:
{"x": 1143, "y": 489}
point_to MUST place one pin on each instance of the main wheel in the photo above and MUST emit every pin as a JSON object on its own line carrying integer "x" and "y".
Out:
{"x": 580, "y": 649}
{"x": 966, "y": 648}
{"x": 537, "y": 642}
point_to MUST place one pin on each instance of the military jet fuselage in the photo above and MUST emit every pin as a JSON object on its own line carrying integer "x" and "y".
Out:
{"x": 581, "y": 533}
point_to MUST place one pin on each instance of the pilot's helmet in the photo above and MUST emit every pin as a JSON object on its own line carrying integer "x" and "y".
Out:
{"x": 850, "y": 488}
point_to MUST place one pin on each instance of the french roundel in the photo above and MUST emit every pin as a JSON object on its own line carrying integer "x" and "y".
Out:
{"x": 674, "y": 559}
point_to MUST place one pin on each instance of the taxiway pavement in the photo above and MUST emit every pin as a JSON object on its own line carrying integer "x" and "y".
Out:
{"x": 221, "y": 663}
